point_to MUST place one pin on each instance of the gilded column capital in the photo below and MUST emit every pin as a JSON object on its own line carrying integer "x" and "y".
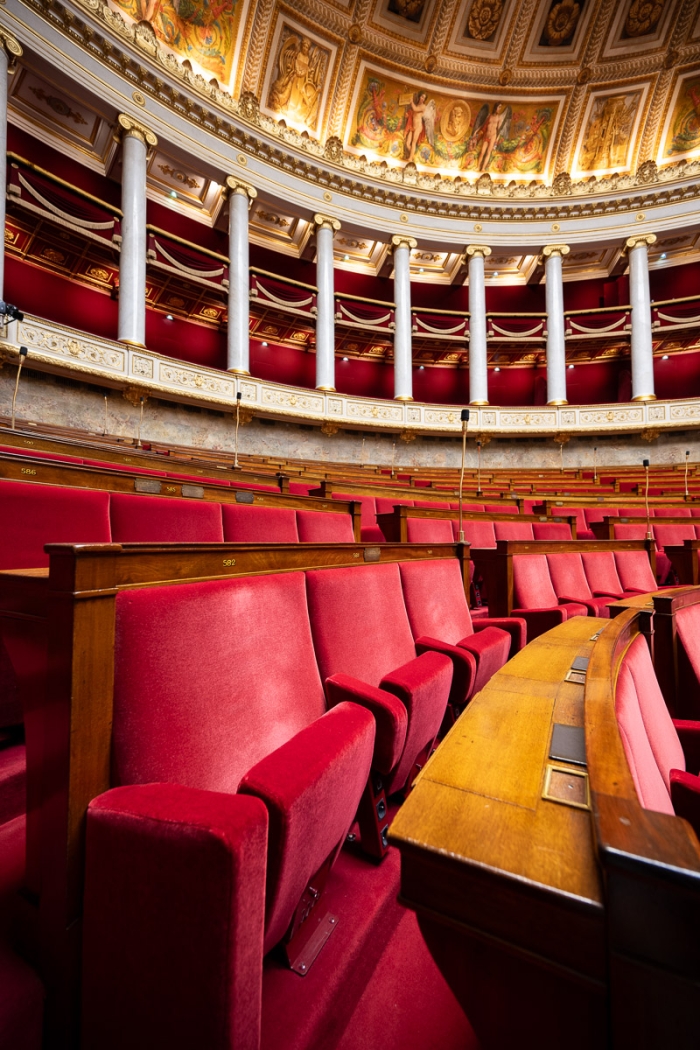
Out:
{"x": 131, "y": 126}
{"x": 638, "y": 239}
{"x": 555, "y": 249}
{"x": 326, "y": 222}
{"x": 478, "y": 249}
{"x": 11, "y": 44}
{"x": 234, "y": 185}
{"x": 402, "y": 240}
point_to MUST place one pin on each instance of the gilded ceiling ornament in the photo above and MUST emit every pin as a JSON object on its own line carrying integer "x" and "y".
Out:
{"x": 562, "y": 22}
{"x": 249, "y": 107}
{"x": 648, "y": 172}
{"x": 333, "y": 149}
{"x": 354, "y": 34}
{"x": 643, "y": 16}
{"x": 300, "y": 72}
{"x": 585, "y": 74}
{"x": 411, "y": 10}
{"x": 505, "y": 77}
{"x": 562, "y": 184}
{"x": 484, "y": 17}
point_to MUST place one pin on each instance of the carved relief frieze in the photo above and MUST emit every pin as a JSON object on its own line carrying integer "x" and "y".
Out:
{"x": 433, "y": 416}
{"x": 378, "y": 412}
{"x": 142, "y": 366}
{"x": 292, "y": 399}
{"x": 184, "y": 377}
{"x": 75, "y": 347}
{"x": 528, "y": 419}
{"x": 612, "y": 415}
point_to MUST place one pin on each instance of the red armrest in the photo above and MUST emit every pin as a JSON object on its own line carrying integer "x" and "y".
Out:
{"x": 312, "y": 787}
{"x": 514, "y": 625}
{"x": 685, "y": 796}
{"x": 423, "y": 685}
{"x": 689, "y": 736}
{"x": 540, "y": 620}
{"x": 173, "y": 919}
{"x": 389, "y": 713}
{"x": 463, "y": 668}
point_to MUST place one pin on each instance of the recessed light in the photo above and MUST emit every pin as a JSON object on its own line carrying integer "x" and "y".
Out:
{"x": 421, "y": 368}
{"x": 345, "y": 258}
{"x": 421, "y": 270}
{"x": 665, "y": 357}
{"x": 173, "y": 194}
{"x": 345, "y": 359}
{"x": 263, "y": 344}
{"x": 496, "y": 273}
{"x": 169, "y": 317}
{"x": 497, "y": 369}
{"x": 663, "y": 255}
{"x": 571, "y": 366}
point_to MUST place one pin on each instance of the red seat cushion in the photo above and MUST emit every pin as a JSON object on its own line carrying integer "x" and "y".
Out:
{"x": 634, "y": 570}
{"x": 551, "y": 530}
{"x": 477, "y": 533}
{"x": 33, "y": 515}
{"x": 152, "y": 519}
{"x": 317, "y": 526}
{"x": 429, "y": 530}
{"x": 601, "y": 573}
{"x": 435, "y": 600}
{"x": 513, "y": 530}
{"x": 245, "y": 524}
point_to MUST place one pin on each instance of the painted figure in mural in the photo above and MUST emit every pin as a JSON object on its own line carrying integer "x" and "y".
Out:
{"x": 608, "y": 135}
{"x": 420, "y": 123}
{"x": 491, "y": 128}
{"x": 297, "y": 89}
{"x": 685, "y": 127}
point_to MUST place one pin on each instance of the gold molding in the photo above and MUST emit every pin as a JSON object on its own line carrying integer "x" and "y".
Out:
{"x": 484, "y": 251}
{"x": 133, "y": 342}
{"x": 479, "y": 404}
{"x": 130, "y": 126}
{"x": 645, "y": 397}
{"x": 327, "y": 389}
{"x": 403, "y": 397}
{"x": 136, "y": 395}
{"x": 11, "y": 44}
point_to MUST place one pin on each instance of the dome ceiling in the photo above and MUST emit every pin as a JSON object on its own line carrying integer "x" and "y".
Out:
{"x": 482, "y": 91}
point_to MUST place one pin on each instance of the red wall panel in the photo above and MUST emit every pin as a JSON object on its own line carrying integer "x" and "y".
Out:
{"x": 63, "y": 167}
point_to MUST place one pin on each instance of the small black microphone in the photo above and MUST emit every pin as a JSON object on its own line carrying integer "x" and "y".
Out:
{"x": 645, "y": 462}
{"x": 465, "y": 415}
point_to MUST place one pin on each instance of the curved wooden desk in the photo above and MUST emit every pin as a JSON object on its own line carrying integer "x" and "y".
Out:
{"x": 574, "y": 927}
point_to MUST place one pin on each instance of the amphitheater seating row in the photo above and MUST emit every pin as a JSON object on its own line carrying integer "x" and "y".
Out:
{"x": 230, "y": 839}
{"x": 34, "y": 515}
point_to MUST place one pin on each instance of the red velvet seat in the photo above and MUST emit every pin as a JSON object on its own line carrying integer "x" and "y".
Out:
{"x": 601, "y": 574}
{"x": 371, "y": 533}
{"x": 534, "y": 598}
{"x": 34, "y": 515}
{"x": 441, "y": 622}
{"x": 250, "y": 524}
{"x": 657, "y": 748}
{"x": 429, "y": 530}
{"x": 217, "y": 689}
{"x": 316, "y": 526}
{"x": 570, "y": 584}
{"x": 688, "y": 631}
{"x": 592, "y": 514}
{"x": 386, "y": 506}
{"x": 152, "y": 519}
{"x": 431, "y": 503}
{"x": 634, "y": 570}
{"x": 513, "y": 530}
{"x": 501, "y": 508}
{"x": 551, "y": 530}
{"x": 583, "y": 532}
{"x": 628, "y": 531}
{"x": 366, "y": 653}
{"x": 479, "y": 534}
{"x": 671, "y": 535}
{"x": 39, "y": 454}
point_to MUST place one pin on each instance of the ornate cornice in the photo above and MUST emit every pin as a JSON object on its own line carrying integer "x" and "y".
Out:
{"x": 11, "y": 45}
{"x": 550, "y": 250}
{"x": 478, "y": 249}
{"x": 240, "y": 123}
{"x": 326, "y": 222}
{"x": 402, "y": 240}
{"x": 234, "y": 185}
{"x": 640, "y": 239}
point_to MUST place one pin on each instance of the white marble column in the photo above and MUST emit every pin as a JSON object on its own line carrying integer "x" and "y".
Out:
{"x": 403, "y": 348}
{"x": 478, "y": 361}
{"x": 556, "y": 342}
{"x": 326, "y": 228}
{"x": 642, "y": 346}
{"x": 9, "y": 51}
{"x": 240, "y": 197}
{"x": 137, "y": 139}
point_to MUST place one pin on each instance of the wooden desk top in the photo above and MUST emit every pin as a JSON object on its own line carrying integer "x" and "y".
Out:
{"x": 35, "y": 573}
{"x": 476, "y": 834}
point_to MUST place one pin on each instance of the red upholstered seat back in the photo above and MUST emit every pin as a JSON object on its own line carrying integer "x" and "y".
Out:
{"x": 575, "y": 512}
{"x": 632, "y": 512}
{"x": 648, "y": 736}
{"x": 601, "y": 573}
{"x": 551, "y": 530}
{"x": 478, "y": 533}
{"x": 532, "y": 585}
{"x": 688, "y": 628}
{"x": 513, "y": 530}
{"x": 634, "y": 570}
{"x": 592, "y": 514}
{"x": 210, "y": 678}
{"x": 386, "y": 506}
{"x": 315, "y": 526}
{"x": 567, "y": 576}
{"x": 359, "y": 621}
{"x": 671, "y": 512}
{"x": 429, "y": 530}
{"x": 431, "y": 503}
{"x": 152, "y": 519}
{"x": 435, "y": 600}
{"x": 624, "y": 531}
{"x": 302, "y": 488}
{"x": 33, "y": 515}
{"x": 245, "y": 524}
{"x": 478, "y": 507}
{"x": 369, "y": 506}
{"x": 672, "y": 535}
{"x": 502, "y": 508}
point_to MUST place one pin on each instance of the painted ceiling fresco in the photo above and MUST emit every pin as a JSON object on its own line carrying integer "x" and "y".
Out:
{"x": 519, "y": 90}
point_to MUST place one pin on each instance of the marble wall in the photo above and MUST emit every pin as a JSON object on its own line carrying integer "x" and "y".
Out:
{"x": 57, "y": 401}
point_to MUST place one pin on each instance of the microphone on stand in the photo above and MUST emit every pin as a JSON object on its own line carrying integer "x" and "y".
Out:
{"x": 22, "y": 355}
{"x": 465, "y": 419}
{"x": 645, "y": 464}
{"x": 235, "y": 443}
{"x": 478, "y": 468}
{"x": 686, "y": 473}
